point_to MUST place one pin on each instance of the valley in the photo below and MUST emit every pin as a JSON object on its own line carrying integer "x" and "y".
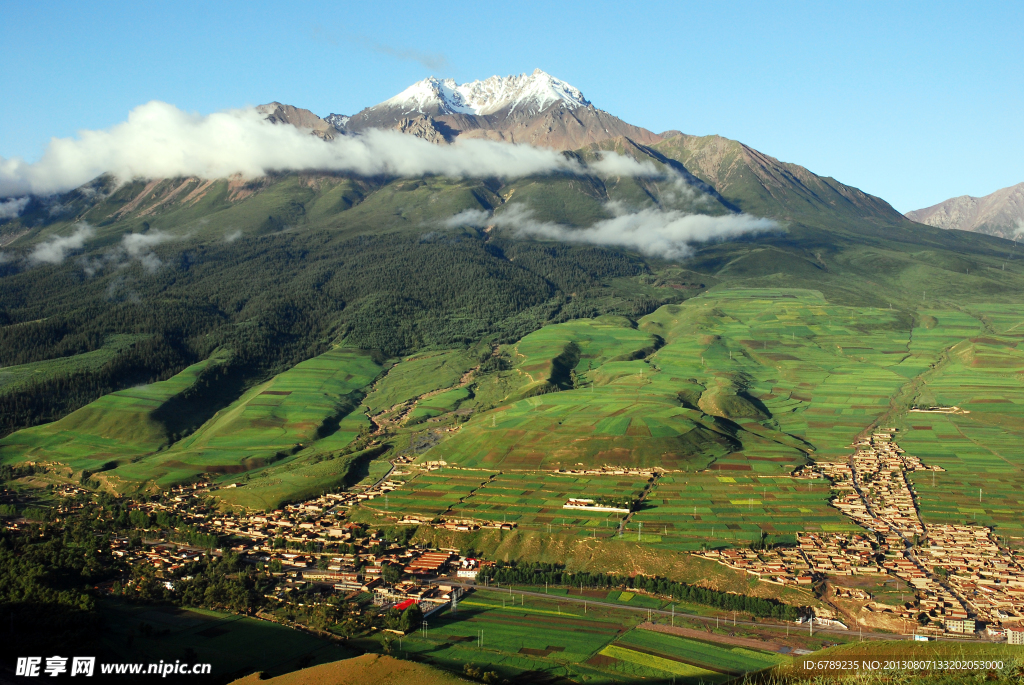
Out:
{"x": 507, "y": 386}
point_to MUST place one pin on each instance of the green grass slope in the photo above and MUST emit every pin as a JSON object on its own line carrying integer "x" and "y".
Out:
{"x": 109, "y": 432}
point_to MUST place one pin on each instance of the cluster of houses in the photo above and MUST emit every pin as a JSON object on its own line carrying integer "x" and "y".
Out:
{"x": 872, "y": 488}
{"x": 313, "y": 524}
{"x": 816, "y": 556}
{"x": 957, "y": 575}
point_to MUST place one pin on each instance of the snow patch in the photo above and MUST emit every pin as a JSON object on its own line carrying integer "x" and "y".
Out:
{"x": 531, "y": 92}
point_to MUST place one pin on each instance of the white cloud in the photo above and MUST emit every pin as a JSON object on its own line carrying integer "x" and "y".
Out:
{"x": 653, "y": 232}
{"x": 160, "y": 141}
{"x": 233, "y": 236}
{"x": 140, "y": 246}
{"x": 10, "y": 209}
{"x": 467, "y": 217}
{"x": 54, "y": 250}
{"x": 4, "y": 258}
{"x": 611, "y": 164}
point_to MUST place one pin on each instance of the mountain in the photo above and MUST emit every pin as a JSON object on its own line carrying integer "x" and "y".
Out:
{"x": 758, "y": 184}
{"x": 539, "y": 109}
{"x": 536, "y": 108}
{"x": 999, "y": 214}
{"x": 275, "y": 268}
{"x": 277, "y": 113}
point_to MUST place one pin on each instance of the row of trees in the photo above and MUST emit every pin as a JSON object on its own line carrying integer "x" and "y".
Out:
{"x": 535, "y": 573}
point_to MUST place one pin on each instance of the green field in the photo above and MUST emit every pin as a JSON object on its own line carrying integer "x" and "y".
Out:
{"x": 435, "y": 405}
{"x": 747, "y": 380}
{"x": 701, "y": 654}
{"x": 545, "y": 637}
{"x": 747, "y": 386}
{"x": 309, "y": 411}
{"x": 728, "y": 392}
{"x": 725, "y": 507}
{"x": 980, "y": 449}
{"x": 430, "y": 494}
{"x": 536, "y": 635}
{"x": 534, "y": 501}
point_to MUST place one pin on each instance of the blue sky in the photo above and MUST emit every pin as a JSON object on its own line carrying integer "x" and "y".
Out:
{"x": 914, "y": 102}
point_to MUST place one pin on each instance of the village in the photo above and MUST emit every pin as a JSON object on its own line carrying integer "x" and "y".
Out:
{"x": 297, "y": 544}
{"x": 957, "y": 576}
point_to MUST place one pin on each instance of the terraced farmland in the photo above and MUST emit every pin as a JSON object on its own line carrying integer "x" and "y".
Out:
{"x": 534, "y": 501}
{"x": 685, "y": 510}
{"x": 980, "y": 447}
{"x": 431, "y": 494}
{"x": 313, "y": 403}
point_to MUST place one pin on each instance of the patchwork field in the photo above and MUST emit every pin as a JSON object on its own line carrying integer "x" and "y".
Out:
{"x": 749, "y": 380}
{"x": 534, "y": 636}
{"x": 981, "y": 446}
{"x": 718, "y": 659}
{"x": 684, "y": 511}
{"x": 531, "y": 638}
{"x": 430, "y": 494}
{"x": 727, "y": 393}
{"x": 534, "y": 501}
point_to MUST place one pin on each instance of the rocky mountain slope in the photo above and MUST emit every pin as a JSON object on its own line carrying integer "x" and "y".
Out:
{"x": 277, "y": 113}
{"x": 1000, "y": 213}
{"x": 759, "y": 184}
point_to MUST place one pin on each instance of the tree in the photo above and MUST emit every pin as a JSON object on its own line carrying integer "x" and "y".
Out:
{"x": 411, "y": 619}
{"x": 391, "y": 573}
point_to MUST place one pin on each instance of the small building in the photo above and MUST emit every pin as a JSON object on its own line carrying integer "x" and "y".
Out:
{"x": 591, "y": 505}
{"x": 1014, "y": 637}
{"x": 962, "y": 626}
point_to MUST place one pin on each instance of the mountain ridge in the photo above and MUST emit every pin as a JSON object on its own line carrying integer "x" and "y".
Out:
{"x": 1000, "y": 213}
{"x": 537, "y": 109}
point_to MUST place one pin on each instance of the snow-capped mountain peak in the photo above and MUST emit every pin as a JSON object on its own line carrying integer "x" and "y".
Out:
{"x": 530, "y": 92}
